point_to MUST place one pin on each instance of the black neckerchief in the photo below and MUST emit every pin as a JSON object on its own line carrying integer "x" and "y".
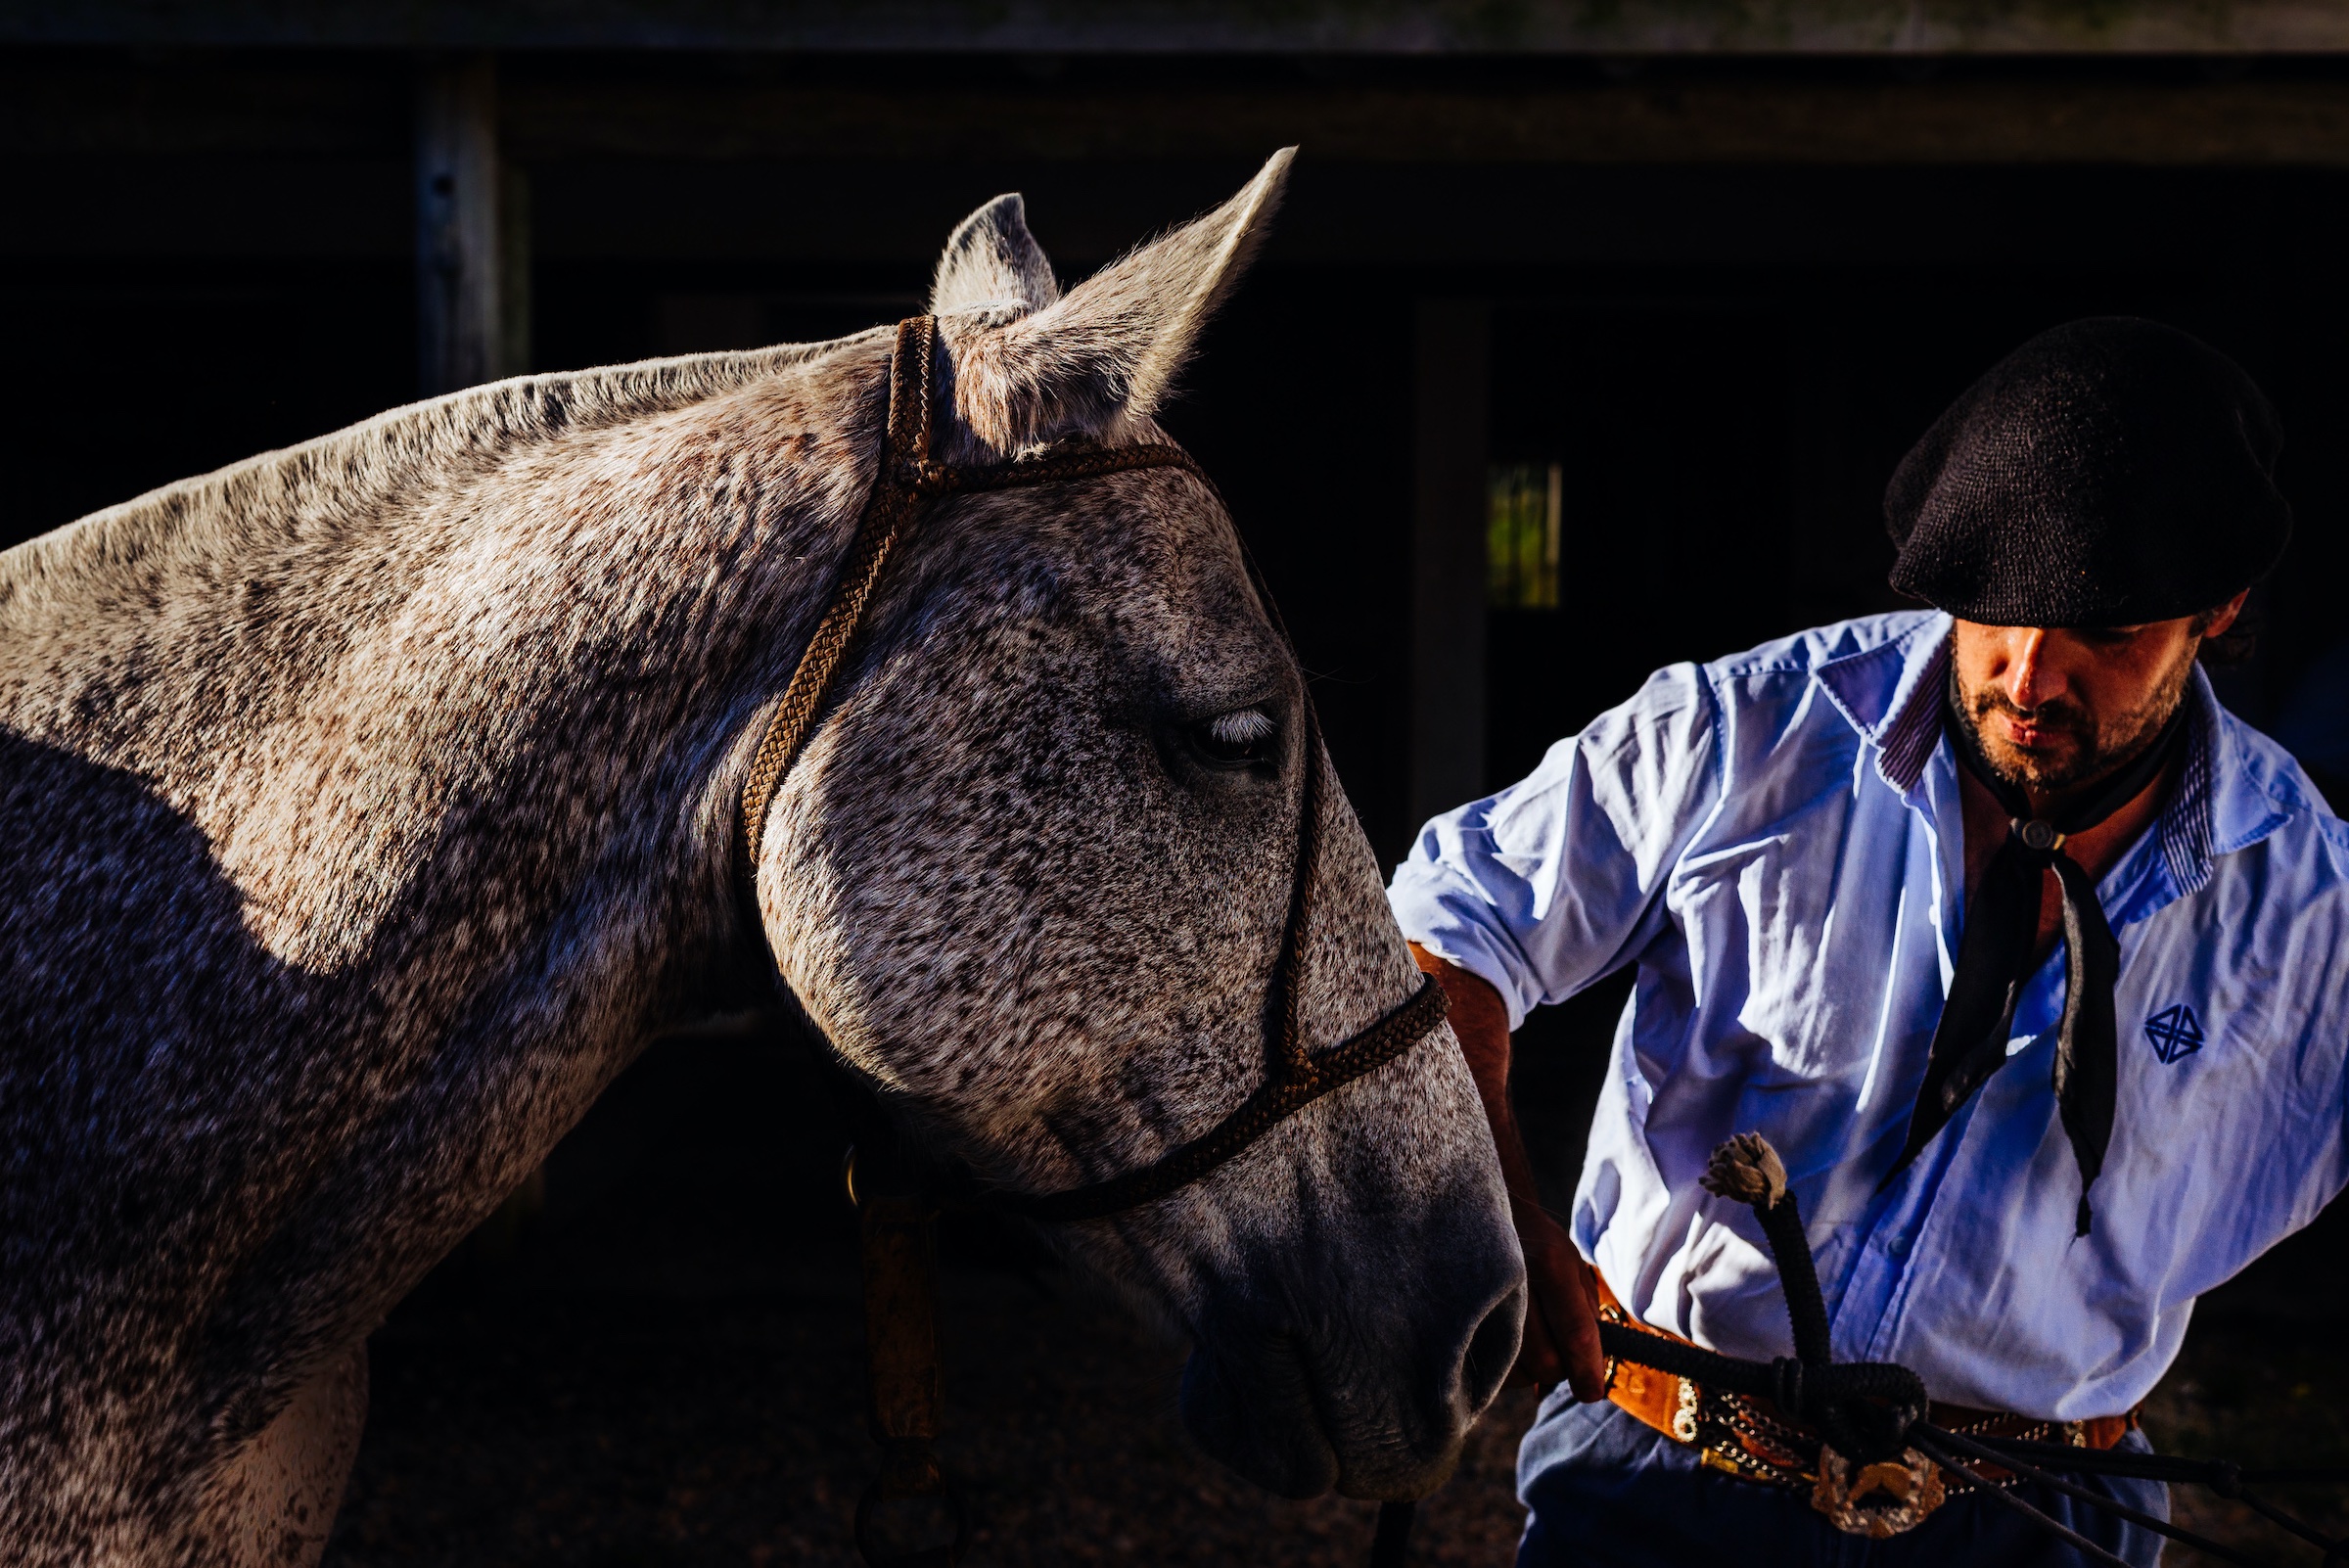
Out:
{"x": 1994, "y": 961}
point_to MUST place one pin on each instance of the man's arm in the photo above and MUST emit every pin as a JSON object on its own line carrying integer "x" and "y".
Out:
{"x": 1528, "y": 897}
{"x": 1561, "y": 1319}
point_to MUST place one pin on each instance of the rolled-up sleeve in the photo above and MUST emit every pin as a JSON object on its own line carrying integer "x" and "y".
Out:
{"x": 1558, "y": 880}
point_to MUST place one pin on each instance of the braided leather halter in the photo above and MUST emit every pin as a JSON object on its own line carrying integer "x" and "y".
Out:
{"x": 909, "y": 481}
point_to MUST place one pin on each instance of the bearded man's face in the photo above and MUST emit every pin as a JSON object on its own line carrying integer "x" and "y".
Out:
{"x": 2056, "y": 707}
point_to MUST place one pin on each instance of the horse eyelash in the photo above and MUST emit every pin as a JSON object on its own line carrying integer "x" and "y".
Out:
{"x": 1243, "y": 728}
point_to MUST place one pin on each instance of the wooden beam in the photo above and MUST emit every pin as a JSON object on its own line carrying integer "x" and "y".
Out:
{"x": 349, "y": 105}
{"x": 1410, "y": 27}
{"x": 2196, "y": 123}
{"x": 461, "y": 336}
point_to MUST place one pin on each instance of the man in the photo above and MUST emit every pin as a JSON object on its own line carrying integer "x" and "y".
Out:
{"x": 2026, "y": 956}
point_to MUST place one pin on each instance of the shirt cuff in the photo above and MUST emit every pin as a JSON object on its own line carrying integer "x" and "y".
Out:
{"x": 1432, "y": 918}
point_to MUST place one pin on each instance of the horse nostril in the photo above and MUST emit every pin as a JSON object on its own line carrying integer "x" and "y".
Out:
{"x": 1493, "y": 1350}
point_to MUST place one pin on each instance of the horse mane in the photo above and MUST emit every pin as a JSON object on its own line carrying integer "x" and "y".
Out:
{"x": 354, "y": 471}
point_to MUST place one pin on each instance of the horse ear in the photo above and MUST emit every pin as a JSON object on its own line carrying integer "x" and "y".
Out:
{"x": 992, "y": 259}
{"x": 1106, "y": 353}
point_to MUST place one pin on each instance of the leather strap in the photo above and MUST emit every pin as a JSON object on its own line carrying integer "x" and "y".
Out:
{"x": 1671, "y": 1405}
{"x": 907, "y": 483}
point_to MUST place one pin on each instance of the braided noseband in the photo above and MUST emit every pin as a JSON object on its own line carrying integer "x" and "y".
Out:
{"x": 909, "y": 483}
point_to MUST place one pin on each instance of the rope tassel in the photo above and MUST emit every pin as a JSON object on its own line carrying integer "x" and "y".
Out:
{"x": 1746, "y": 1170}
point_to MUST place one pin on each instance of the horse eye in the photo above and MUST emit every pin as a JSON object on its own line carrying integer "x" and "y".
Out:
{"x": 1243, "y": 735}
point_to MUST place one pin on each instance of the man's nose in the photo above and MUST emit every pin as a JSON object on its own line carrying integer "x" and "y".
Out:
{"x": 2029, "y": 680}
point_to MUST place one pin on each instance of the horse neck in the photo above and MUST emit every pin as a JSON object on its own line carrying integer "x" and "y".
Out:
{"x": 468, "y": 658}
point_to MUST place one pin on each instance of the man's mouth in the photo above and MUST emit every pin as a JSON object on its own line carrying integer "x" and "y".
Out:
{"x": 2025, "y": 735}
{"x": 2032, "y": 732}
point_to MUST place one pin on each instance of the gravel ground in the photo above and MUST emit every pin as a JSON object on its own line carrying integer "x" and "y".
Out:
{"x": 730, "y": 1430}
{"x": 665, "y": 1369}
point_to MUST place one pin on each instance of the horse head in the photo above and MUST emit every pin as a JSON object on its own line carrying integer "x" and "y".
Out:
{"x": 1033, "y": 874}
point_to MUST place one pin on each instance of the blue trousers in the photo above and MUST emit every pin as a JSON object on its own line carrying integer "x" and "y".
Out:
{"x": 1606, "y": 1490}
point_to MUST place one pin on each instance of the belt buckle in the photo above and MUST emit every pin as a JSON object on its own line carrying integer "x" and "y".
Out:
{"x": 1878, "y": 1500}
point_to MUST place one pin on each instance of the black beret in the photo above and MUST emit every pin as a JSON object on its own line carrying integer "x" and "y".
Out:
{"x": 2108, "y": 471}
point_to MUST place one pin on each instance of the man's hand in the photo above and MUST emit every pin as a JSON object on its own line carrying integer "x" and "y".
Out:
{"x": 1561, "y": 1320}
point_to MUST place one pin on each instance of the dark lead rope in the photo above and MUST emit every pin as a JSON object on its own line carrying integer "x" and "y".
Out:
{"x": 1973, "y": 1449}
{"x": 1872, "y": 1411}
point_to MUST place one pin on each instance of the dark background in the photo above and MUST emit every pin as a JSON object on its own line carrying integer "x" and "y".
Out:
{"x": 1725, "y": 343}
{"x": 1726, "y": 406}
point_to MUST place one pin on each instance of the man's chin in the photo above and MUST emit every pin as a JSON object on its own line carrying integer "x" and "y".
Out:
{"x": 2054, "y": 760}
{"x": 2040, "y": 770}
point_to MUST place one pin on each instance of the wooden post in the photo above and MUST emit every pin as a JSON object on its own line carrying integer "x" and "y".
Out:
{"x": 1450, "y": 438}
{"x": 461, "y": 327}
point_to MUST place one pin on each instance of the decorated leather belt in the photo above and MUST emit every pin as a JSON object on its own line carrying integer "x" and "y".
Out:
{"x": 1747, "y": 1438}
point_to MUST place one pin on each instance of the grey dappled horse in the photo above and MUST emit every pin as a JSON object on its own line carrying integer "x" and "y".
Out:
{"x": 368, "y": 804}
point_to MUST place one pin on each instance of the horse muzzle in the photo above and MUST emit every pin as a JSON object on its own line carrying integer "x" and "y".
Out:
{"x": 1367, "y": 1386}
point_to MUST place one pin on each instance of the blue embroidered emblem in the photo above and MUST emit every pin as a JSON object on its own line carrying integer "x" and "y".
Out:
{"x": 2175, "y": 1031}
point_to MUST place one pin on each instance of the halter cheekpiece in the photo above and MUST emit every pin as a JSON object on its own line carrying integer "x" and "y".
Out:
{"x": 906, "y": 484}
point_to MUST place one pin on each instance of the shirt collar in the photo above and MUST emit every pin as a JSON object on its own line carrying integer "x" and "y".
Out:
{"x": 2251, "y": 788}
{"x": 1892, "y": 695}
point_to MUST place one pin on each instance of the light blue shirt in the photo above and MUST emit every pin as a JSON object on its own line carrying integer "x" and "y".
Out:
{"x": 1776, "y": 841}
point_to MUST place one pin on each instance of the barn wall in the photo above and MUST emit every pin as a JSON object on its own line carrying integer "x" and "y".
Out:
{"x": 1723, "y": 294}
